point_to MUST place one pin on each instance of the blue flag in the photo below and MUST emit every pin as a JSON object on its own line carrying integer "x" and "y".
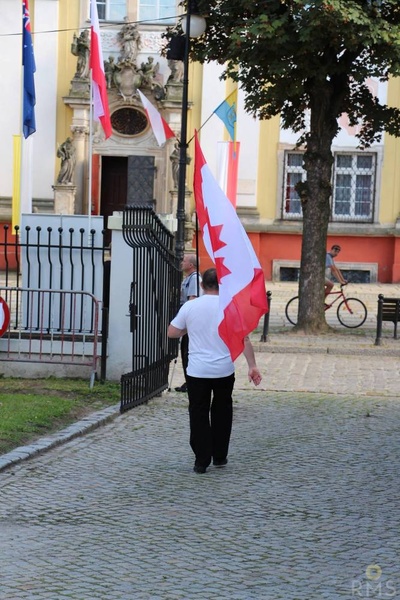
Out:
{"x": 28, "y": 62}
{"x": 226, "y": 111}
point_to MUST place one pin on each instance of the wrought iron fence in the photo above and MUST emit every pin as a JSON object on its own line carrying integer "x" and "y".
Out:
{"x": 153, "y": 303}
{"x": 59, "y": 259}
{"x": 53, "y": 279}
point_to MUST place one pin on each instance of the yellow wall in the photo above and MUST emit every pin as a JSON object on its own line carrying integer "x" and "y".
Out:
{"x": 389, "y": 208}
{"x": 267, "y": 169}
{"x": 68, "y": 23}
{"x": 195, "y": 77}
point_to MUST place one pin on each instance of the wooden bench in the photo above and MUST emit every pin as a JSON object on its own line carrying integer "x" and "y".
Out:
{"x": 388, "y": 310}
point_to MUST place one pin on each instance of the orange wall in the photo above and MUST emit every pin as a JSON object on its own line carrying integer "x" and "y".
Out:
{"x": 274, "y": 246}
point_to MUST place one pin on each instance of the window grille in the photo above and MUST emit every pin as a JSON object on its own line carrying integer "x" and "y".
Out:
{"x": 353, "y": 186}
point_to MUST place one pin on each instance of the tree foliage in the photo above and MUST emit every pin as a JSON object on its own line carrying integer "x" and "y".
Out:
{"x": 299, "y": 57}
{"x": 281, "y": 51}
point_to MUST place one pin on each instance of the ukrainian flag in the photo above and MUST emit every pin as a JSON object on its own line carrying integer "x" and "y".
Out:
{"x": 226, "y": 111}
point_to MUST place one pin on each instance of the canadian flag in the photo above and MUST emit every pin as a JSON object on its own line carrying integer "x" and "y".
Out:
{"x": 101, "y": 111}
{"x": 161, "y": 129}
{"x": 242, "y": 295}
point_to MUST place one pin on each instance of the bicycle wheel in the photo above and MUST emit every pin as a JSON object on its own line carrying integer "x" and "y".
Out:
{"x": 352, "y": 313}
{"x": 292, "y": 310}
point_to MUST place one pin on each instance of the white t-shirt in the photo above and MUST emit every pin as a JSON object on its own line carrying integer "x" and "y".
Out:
{"x": 208, "y": 354}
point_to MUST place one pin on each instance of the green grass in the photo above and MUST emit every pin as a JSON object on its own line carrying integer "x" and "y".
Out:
{"x": 31, "y": 408}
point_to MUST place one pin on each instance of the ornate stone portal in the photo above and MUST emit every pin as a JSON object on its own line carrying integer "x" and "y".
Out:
{"x": 126, "y": 71}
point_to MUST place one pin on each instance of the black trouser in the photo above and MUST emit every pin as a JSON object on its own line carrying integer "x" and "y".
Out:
{"x": 185, "y": 352}
{"x": 210, "y": 438}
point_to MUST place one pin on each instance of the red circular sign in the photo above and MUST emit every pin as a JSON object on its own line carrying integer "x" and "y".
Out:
{"x": 4, "y": 316}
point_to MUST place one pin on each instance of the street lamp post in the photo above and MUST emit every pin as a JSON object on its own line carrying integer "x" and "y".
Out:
{"x": 192, "y": 26}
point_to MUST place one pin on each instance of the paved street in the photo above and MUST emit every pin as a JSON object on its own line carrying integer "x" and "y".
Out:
{"x": 307, "y": 508}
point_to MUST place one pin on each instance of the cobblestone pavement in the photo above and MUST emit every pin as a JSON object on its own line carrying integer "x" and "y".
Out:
{"x": 307, "y": 508}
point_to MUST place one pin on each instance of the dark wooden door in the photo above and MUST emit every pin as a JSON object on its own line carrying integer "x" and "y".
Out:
{"x": 114, "y": 184}
{"x": 125, "y": 180}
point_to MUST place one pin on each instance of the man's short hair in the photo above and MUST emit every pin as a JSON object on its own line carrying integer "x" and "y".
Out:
{"x": 192, "y": 259}
{"x": 210, "y": 279}
{"x": 336, "y": 247}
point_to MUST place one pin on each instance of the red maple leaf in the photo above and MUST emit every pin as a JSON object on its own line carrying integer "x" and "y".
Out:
{"x": 222, "y": 270}
{"x": 215, "y": 233}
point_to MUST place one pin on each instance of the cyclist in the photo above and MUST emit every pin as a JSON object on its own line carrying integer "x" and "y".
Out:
{"x": 332, "y": 270}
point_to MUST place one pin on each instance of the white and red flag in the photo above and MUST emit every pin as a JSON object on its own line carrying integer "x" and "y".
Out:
{"x": 242, "y": 295}
{"x": 227, "y": 168}
{"x": 101, "y": 111}
{"x": 161, "y": 129}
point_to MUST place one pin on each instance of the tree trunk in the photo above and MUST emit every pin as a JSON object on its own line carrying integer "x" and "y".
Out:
{"x": 315, "y": 196}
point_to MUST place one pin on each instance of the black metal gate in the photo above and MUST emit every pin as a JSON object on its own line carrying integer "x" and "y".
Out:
{"x": 154, "y": 301}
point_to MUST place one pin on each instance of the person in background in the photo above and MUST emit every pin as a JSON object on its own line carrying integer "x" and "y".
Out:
{"x": 332, "y": 270}
{"x": 210, "y": 375}
{"x": 190, "y": 289}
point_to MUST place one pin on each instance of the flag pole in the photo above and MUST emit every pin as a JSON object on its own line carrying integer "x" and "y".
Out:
{"x": 183, "y": 146}
{"x": 196, "y": 237}
{"x": 90, "y": 151}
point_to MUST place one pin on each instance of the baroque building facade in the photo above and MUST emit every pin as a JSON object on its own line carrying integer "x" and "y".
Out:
{"x": 129, "y": 167}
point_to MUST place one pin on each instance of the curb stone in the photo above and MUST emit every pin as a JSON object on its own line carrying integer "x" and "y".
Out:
{"x": 89, "y": 423}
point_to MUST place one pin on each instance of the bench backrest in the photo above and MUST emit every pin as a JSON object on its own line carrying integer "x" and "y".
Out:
{"x": 391, "y": 309}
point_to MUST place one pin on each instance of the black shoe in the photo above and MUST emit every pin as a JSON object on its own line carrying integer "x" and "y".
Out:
{"x": 220, "y": 462}
{"x": 182, "y": 388}
{"x": 199, "y": 469}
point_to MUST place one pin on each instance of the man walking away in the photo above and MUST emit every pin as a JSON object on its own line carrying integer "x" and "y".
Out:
{"x": 210, "y": 375}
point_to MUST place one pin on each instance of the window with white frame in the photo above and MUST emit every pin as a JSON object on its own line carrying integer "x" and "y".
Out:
{"x": 353, "y": 185}
{"x": 157, "y": 10}
{"x": 111, "y": 10}
{"x": 294, "y": 173}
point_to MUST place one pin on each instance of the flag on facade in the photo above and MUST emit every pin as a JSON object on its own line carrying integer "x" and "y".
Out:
{"x": 28, "y": 62}
{"x": 161, "y": 130}
{"x": 226, "y": 111}
{"x": 228, "y": 168}
{"x": 101, "y": 111}
{"x": 242, "y": 295}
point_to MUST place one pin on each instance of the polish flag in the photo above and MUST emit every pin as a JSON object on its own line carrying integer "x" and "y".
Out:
{"x": 161, "y": 129}
{"x": 242, "y": 295}
{"x": 101, "y": 111}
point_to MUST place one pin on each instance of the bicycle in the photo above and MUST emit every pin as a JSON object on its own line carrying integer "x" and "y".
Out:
{"x": 351, "y": 312}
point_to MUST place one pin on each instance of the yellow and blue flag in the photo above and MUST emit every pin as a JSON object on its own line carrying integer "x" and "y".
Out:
{"x": 226, "y": 111}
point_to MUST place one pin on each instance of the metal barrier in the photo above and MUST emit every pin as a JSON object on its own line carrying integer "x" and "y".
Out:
{"x": 51, "y": 326}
